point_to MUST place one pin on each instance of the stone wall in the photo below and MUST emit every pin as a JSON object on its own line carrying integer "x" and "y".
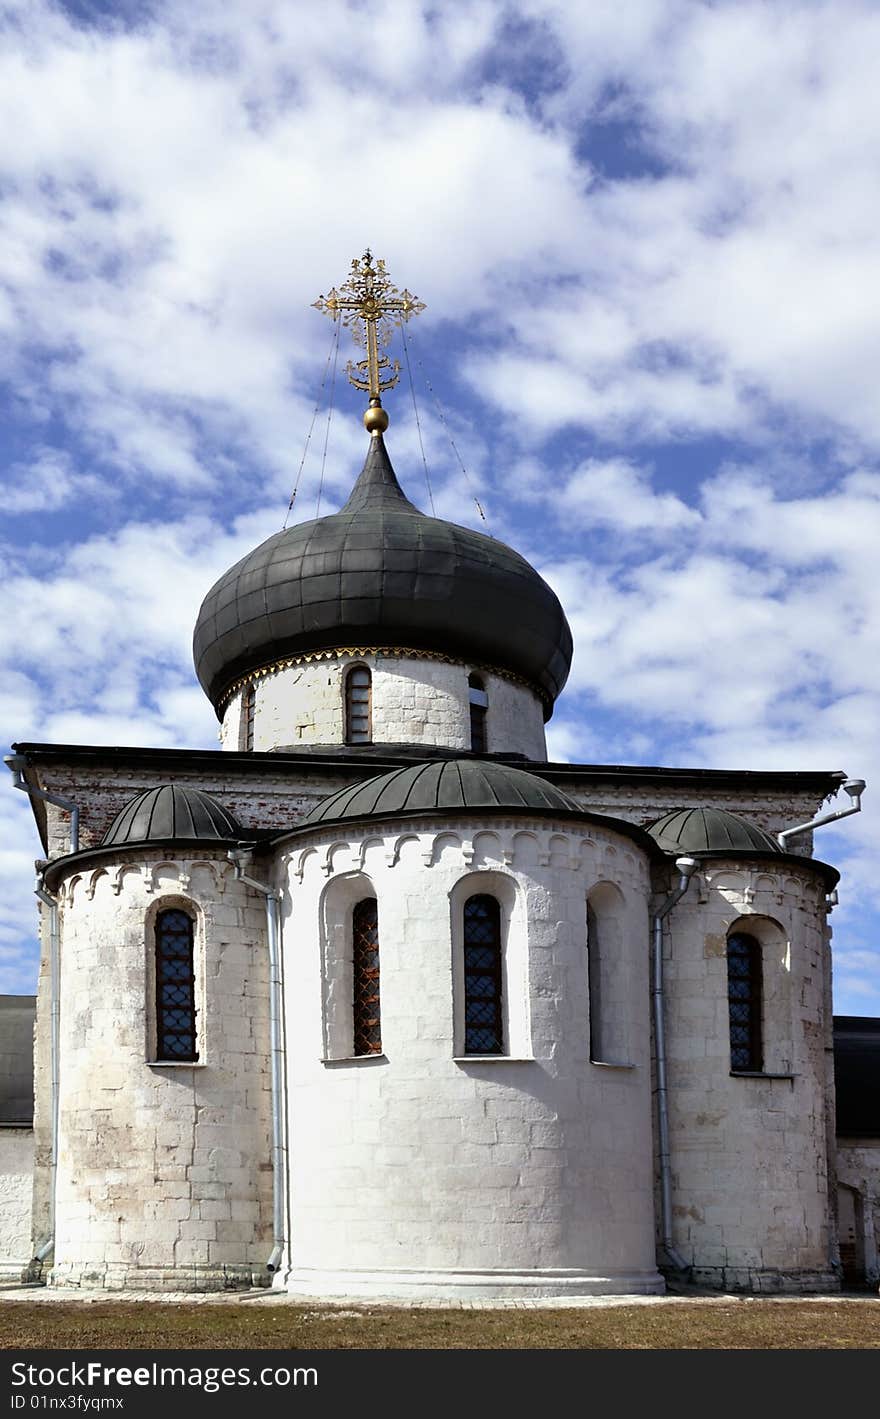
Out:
{"x": 858, "y": 1170}
{"x": 164, "y": 1171}
{"x": 749, "y": 1153}
{"x": 16, "y": 1186}
{"x": 415, "y": 700}
{"x": 427, "y": 1169}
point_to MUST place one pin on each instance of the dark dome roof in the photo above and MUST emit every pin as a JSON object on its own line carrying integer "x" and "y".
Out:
{"x": 710, "y": 830}
{"x": 381, "y": 572}
{"x": 172, "y": 811}
{"x": 450, "y": 785}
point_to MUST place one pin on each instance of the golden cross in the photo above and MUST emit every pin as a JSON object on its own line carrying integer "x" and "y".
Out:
{"x": 370, "y": 307}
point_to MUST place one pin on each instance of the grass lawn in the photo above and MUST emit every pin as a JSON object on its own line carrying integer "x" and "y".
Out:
{"x": 722, "y": 1324}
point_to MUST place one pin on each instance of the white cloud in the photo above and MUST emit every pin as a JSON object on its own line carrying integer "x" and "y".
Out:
{"x": 181, "y": 188}
{"x": 615, "y": 493}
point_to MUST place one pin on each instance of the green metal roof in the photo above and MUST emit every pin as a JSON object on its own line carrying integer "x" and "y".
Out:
{"x": 465, "y": 784}
{"x": 169, "y": 812}
{"x": 710, "y": 830}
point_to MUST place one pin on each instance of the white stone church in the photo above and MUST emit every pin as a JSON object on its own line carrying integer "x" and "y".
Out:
{"x": 374, "y": 1001}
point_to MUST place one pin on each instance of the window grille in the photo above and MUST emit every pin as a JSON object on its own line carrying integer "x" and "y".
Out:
{"x": 483, "y": 1031}
{"x": 479, "y": 706}
{"x": 744, "y": 1001}
{"x": 365, "y": 961}
{"x": 358, "y": 706}
{"x": 175, "y": 987}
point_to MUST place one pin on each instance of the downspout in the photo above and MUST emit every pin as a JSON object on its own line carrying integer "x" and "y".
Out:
{"x": 855, "y": 787}
{"x": 272, "y": 896}
{"x": 16, "y": 763}
{"x": 54, "y": 1057}
{"x": 686, "y": 868}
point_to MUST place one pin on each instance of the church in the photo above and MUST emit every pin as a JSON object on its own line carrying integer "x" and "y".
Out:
{"x": 374, "y": 1001}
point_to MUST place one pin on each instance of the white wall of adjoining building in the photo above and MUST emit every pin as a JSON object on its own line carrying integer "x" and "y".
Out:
{"x": 530, "y": 1174}
{"x": 16, "y": 1192}
{"x": 749, "y": 1154}
{"x": 163, "y": 1170}
{"x": 415, "y": 700}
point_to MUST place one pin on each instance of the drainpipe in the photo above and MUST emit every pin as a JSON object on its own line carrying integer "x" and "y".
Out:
{"x": 686, "y": 868}
{"x": 273, "y": 934}
{"x": 855, "y": 787}
{"x": 16, "y": 763}
{"x": 54, "y": 1055}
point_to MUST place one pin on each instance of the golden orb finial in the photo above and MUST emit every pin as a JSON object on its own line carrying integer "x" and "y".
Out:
{"x": 375, "y": 418}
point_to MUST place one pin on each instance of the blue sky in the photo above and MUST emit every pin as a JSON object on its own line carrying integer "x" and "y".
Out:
{"x": 646, "y": 238}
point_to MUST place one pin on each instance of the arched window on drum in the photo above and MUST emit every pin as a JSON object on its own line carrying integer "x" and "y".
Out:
{"x": 478, "y": 701}
{"x": 358, "y": 705}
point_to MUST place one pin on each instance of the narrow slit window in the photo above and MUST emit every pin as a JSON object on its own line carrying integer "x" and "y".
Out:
{"x": 594, "y": 985}
{"x": 479, "y": 707}
{"x": 248, "y": 707}
{"x": 365, "y": 973}
{"x": 744, "y": 1002}
{"x": 358, "y": 706}
{"x": 175, "y": 987}
{"x": 483, "y": 1025}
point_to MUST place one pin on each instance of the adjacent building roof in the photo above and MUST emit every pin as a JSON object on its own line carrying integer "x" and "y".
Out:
{"x": 382, "y": 573}
{"x": 172, "y": 811}
{"x": 857, "y": 1075}
{"x": 17, "y": 1059}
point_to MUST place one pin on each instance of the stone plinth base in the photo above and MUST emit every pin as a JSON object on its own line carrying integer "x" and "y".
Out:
{"x": 766, "y": 1283}
{"x": 144, "y": 1278}
{"x": 469, "y": 1285}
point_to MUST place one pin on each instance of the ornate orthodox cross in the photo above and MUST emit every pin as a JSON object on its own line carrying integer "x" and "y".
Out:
{"x": 371, "y": 307}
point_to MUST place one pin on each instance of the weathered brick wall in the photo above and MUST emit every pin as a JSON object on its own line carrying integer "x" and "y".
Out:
{"x": 265, "y": 797}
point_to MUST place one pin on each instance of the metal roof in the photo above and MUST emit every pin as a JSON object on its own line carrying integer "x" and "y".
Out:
{"x": 172, "y": 811}
{"x": 17, "y": 1014}
{"x": 380, "y": 572}
{"x": 466, "y": 784}
{"x": 710, "y": 830}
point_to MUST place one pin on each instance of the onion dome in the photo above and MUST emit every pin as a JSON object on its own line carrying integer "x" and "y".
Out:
{"x": 172, "y": 812}
{"x": 688, "y": 830}
{"x": 452, "y": 785}
{"x": 382, "y": 573}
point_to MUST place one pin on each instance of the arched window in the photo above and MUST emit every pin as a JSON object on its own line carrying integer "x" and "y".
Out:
{"x": 248, "y": 707}
{"x": 744, "y": 1002}
{"x": 358, "y": 706}
{"x": 175, "y": 987}
{"x": 365, "y": 977}
{"x": 479, "y": 706}
{"x": 483, "y": 1028}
